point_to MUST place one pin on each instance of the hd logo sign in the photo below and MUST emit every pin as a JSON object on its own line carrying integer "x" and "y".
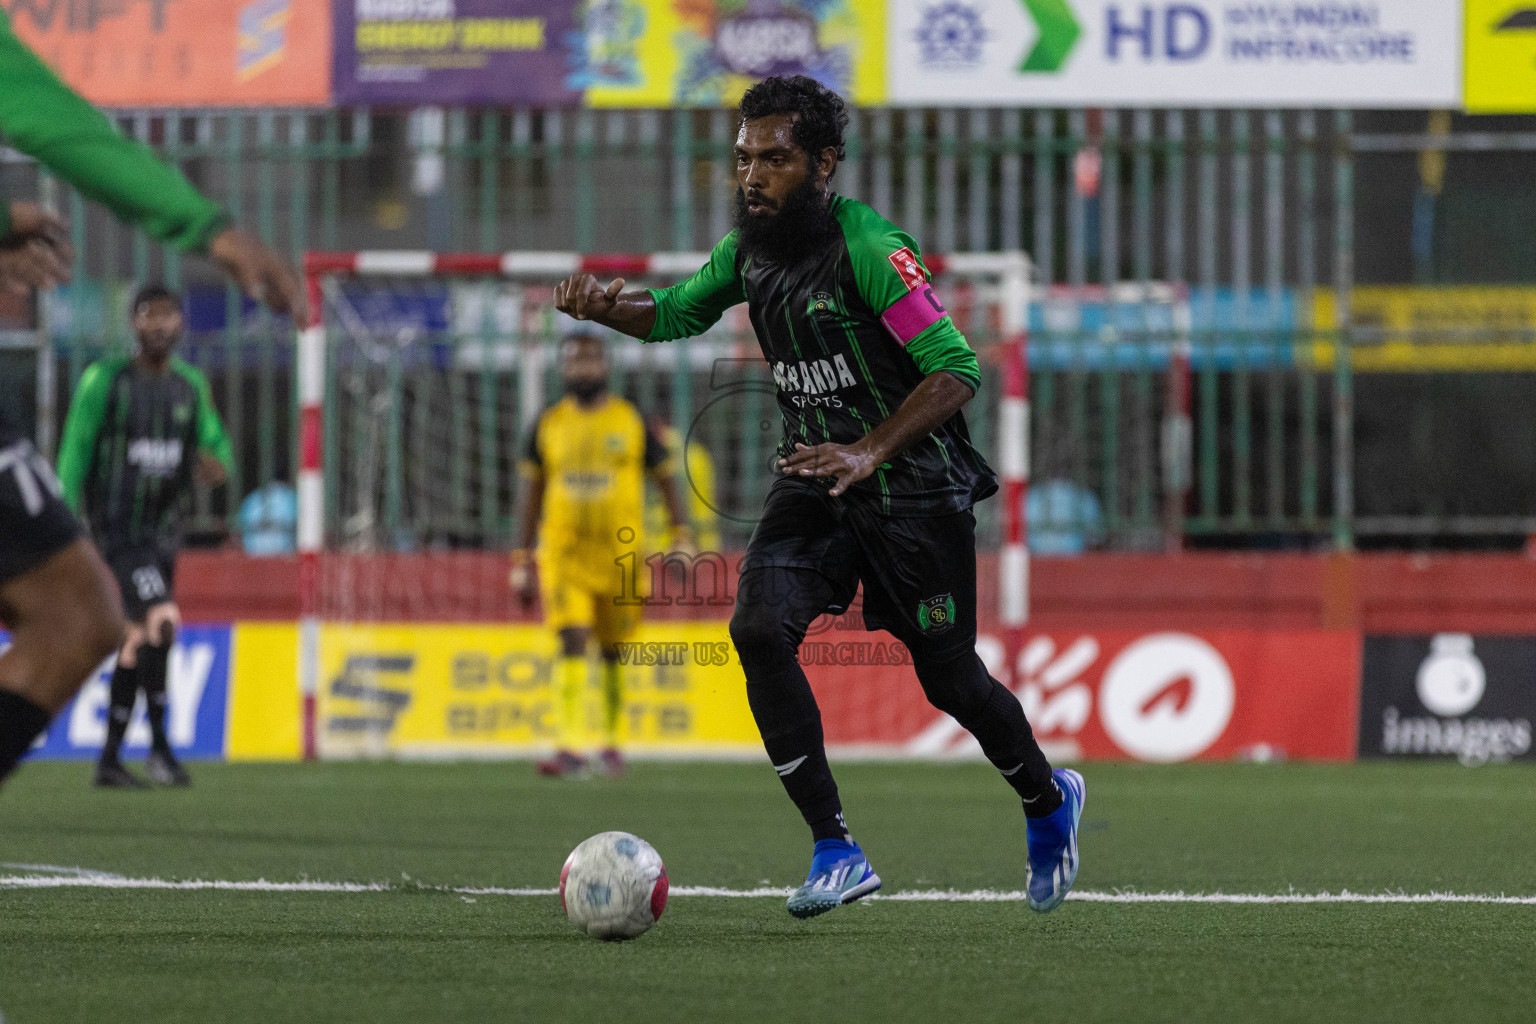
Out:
{"x": 1187, "y": 53}
{"x": 1501, "y": 56}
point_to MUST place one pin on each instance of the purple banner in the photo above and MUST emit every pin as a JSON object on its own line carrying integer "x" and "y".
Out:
{"x": 454, "y": 51}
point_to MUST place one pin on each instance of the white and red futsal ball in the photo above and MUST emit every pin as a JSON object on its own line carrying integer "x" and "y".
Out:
{"x": 613, "y": 886}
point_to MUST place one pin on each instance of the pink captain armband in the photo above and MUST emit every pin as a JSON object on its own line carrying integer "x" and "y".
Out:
{"x": 913, "y": 314}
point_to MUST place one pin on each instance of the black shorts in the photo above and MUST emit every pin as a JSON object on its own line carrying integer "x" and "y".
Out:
{"x": 35, "y": 524}
{"x": 145, "y": 574}
{"x": 919, "y": 572}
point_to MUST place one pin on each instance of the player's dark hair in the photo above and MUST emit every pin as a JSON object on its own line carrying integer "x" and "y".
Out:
{"x": 152, "y": 293}
{"x": 820, "y": 115}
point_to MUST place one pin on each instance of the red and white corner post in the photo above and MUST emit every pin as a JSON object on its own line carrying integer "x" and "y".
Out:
{"x": 1013, "y": 457}
{"x": 311, "y": 499}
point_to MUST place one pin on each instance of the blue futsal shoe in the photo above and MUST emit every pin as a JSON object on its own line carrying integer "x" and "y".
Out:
{"x": 1053, "y": 845}
{"x": 840, "y": 873}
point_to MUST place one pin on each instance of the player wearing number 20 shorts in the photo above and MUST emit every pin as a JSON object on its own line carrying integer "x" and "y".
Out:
{"x": 139, "y": 431}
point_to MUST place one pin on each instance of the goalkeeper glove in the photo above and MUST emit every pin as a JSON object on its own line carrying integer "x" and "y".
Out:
{"x": 521, "y": 578}
{"x": 683, "y": 539}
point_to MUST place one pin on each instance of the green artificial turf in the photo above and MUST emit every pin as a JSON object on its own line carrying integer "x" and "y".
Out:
{"x": 419, "y": 953}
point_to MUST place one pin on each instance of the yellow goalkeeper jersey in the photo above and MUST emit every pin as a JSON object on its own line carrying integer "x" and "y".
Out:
{"x": 593, "y": 462}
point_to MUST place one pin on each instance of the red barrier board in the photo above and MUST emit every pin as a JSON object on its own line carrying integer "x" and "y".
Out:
{"x": 1119, "y": 695}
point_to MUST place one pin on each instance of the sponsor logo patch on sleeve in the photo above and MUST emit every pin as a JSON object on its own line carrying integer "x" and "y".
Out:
{"x": 911, "y": 271}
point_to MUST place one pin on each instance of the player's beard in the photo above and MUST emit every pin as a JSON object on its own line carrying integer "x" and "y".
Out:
{"x": 803, "y": 220}
{"x": 584, "y": 389}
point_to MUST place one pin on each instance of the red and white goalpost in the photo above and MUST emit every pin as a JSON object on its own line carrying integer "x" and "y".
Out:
{"x": 997, "y": 283}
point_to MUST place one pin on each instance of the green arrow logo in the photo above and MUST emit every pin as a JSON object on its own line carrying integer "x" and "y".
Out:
{"x": 1058, "y": 34}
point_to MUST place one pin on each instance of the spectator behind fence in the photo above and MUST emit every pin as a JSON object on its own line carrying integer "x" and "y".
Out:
{"x": 1064, "y": 518}
{"x": 269, "y": 517}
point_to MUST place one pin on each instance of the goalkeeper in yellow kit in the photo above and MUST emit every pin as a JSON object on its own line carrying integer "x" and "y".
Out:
{"x": 585, "y": 465}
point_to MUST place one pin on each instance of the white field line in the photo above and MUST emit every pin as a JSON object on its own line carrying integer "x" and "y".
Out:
{"x": 77, "y": 880}
{"x": 56, "y": 869}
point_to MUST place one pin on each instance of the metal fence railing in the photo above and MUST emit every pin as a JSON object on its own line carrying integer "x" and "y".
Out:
{"x": 1263, "y": 217}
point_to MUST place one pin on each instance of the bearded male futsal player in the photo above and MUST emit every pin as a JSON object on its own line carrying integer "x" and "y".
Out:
{"x": 877, "y": 473}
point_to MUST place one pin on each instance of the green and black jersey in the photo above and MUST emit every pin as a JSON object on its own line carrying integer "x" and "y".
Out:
{"x": 849, "y": 330}
{"x": 130, "y": 446}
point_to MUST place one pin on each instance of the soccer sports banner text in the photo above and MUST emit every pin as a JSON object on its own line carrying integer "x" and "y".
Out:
{"x": 1194, "y": 53}
{"x": 183, "y": 53}
{"x": 434, "y": 691}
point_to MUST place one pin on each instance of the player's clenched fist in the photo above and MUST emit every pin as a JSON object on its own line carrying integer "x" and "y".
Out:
{"x": 580, "y": 297}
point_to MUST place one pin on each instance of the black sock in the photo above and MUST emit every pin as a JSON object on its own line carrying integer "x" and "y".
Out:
{"x": 790, "y": 723}
{"x": 152, "y": 670}
{"x": 124, "y": 692}
{"x": 962, "y": 687}
{"x": 773, "y": 609}
{"x": 835, "y": 827}
{"x": 1029, "y": 773}
{"x": 21, "y": 722}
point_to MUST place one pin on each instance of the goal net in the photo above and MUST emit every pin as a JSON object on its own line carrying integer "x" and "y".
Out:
{"x": 420, "y": 379}
{"x": 1110, "y": 374}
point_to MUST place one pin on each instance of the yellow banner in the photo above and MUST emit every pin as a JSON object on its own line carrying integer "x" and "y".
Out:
{"x": 705, "y": 53}
{"x": 448, "y": 690}
{"x": 1500, "y": 64}
{"x": 1451, "y": 328}
{"x": 265, "y": 709}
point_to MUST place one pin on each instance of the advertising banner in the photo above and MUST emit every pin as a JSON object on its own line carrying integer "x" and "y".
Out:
{"x": 1501, "y": 56}
{"x": 430, "y": 690}
{"x": 706, "y": 53}
{"x": 197, "y": 684}
{"x": 1185, "y": 53}
{"x": 1117, "y": 695}
{"x": 1485, "y": 328}
{"x": 183, "y": 53}
{"x": 466, "y": 51}
{"x": 265, "y": 706}
{"x": 1450, "y": 695}
{"x": 487, "y": 691}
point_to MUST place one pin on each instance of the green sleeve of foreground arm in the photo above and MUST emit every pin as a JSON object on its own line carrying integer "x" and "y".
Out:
{"x": 695, "y": 305}
{"x": 941, "y": 347}
{"x": 43, "y": 118}
{"x": 210, "y": 429}
{"x": 86, "y": 411}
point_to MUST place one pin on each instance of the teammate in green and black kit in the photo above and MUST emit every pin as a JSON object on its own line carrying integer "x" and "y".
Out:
{"x": 139, "y": 431}
{"x": 56, "y": 596}
{"x": 877, "y": 472}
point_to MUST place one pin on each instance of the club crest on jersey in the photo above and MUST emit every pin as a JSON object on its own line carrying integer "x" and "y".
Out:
{"x": 936, "y": 614}
{"x": 907, "y": 266}
{"x": 823, "y": 307}
{"x": 181, "y": 413}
